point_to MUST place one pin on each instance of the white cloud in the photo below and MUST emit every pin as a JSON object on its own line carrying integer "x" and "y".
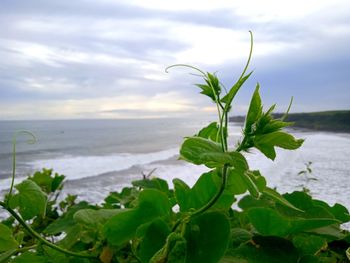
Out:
{"x": 253, "y": 10}
{"x": 78, "y": 59}
{"x": 48, "y": 85}
{"x": 160, "y": 105}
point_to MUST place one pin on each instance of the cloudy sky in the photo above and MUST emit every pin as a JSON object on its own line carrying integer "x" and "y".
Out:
{"x": 106, "y": 59}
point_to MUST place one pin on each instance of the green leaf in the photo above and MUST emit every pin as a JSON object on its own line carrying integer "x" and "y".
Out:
{"x": 174, "y": 250}
{"x": 266, "y": 143}
{"x": 309, "y": 244}
{"x": 299, "y": 199}
{"x": 231, "y": 259}
{"x": 53, "y": 256}
{"x": 228, "y": 98}
{"x": 46, "y": 181}
{"x": 153, "y": 239}
{"x": 266, "y": 124}
{"x": 122, "y": 227}
{"x": 206, "y": 188}
{"x": 274, "y": 195}
{"x": 235, "y": 182}
{"x": 265, "y": 250}
{"x": 331, "y": 232}
{"x": 269, "y": 222}
{"x": 73, "y": 235}
{"x": 202, "y": 192}
{"x": 7, "y": 241}
{"x": 125, "y": 198}
{"x": 258, "y": 180}
{"x": 312, "y": 259}
{"x": 178, "y": 252}
{"x": 155, "y": 183}
{"x": 248, "y": 202}
{"x": 182, "y": 194}
{"x": 155, "y": 202}
{"x": 29, "y": 257}
{"x": 66, "y": 221}
{"x": 57, "y": 182}
{"x": 339, "y": 211}
{"x": 66, "y": 224}
{"x": 92, "y": 218}
{"x": 264, "y": 120}
{"x": 299, "y": 225}
{"x": 239, "y": 236}
{"x": 207, "y": 237}
{"x": 4, "y": 257}
{"x": 212, "y": 87}
{"x": 209, "y": 132}
{"x": 238, "y": 161}
{"x": 275, "y": 125}
{"x": 241, "y": 180}
{"x": 206, "y": 90}
{"x": 254, "y": 111}
{"x": 199, "y": 150}
{"x": 251, "y": 186}
{"x": 214, "y": 81}
{"x": 313, "y": 209}
{"x": 30, "y": 200}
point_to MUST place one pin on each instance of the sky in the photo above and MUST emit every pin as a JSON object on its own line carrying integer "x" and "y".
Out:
{"x": 106, "y": 59}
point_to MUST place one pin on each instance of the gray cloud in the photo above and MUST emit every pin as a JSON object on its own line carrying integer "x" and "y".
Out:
{"x": 71, "y": 50}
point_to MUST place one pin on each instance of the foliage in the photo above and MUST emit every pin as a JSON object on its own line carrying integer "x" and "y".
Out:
{"x": 140, "y": 224}
{"x": 335, "y": 121}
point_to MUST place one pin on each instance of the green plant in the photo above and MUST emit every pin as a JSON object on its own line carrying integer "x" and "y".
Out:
{"x": 139, "y": 223}
{"x": 306, "y": 173}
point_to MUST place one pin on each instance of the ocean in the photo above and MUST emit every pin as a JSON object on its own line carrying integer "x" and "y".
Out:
{"x": 98, "y": 156}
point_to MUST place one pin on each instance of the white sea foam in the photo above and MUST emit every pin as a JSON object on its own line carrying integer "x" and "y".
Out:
{"x": 86, "y": 166}
{"x": 329, "y": 154}
{"x": 95, "y": 190}
{"x": 78, "y": 167}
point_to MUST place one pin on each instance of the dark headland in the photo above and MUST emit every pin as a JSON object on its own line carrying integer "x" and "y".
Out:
{"x": 335, "y": 121}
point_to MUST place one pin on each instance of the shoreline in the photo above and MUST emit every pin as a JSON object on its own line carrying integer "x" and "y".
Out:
{"x": 331, "y": 121}
{"x": 281, "y": 174}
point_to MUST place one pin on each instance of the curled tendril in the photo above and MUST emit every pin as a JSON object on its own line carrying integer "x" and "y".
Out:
{"x": 32, "y": 140}
{"x": 290, "y": 105}
{"x": 186, "y": 66}
{"x": 250, "y": 54}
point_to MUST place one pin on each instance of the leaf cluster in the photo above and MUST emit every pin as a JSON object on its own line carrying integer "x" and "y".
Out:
{"x": 150, "y": 222}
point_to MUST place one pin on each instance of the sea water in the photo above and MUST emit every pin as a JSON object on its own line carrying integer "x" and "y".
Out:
{"x": 98, "y": 156}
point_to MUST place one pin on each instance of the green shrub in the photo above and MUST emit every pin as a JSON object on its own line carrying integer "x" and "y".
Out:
{"x": 139, "y": 224}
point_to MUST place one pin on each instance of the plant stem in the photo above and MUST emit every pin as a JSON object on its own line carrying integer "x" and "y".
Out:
{"x": 36, "y": 235}
{"x": 219, "y": 107}
{"x": 13, "y": 167}
{"x": 242, "y": 144}
{"x": 226, "y": 126}
{"x": 220, "y": 126}
{"x": 223, "y": 125}
{"x": 23, "y": 249}
{"x": 14, "y": 141}
{"x": 216, "y": 197}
